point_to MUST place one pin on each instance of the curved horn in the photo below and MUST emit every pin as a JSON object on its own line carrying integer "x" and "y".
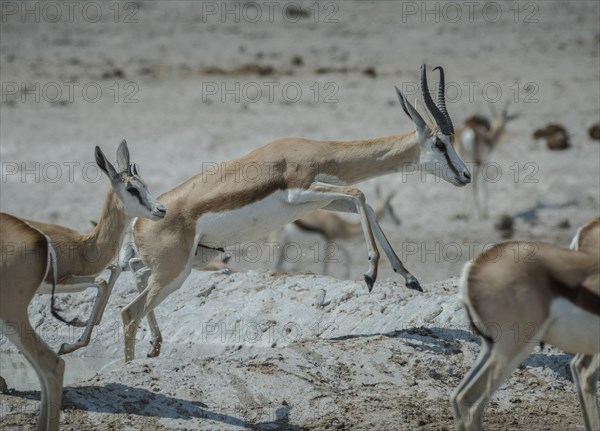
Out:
{"x": 435, "y": 111}
{"x": 132, "y": 169}
{"x": 439, "y": 117}
{"x": 441, "y": 97}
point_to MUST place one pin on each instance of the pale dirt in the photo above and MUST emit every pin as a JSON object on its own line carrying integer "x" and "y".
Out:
{"x": 361, "y": 360}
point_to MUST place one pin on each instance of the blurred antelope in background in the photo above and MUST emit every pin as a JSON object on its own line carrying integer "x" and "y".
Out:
{"x": 331, "y": 227}
{"x": 551, "y": 295}
{"x": 476, "y": 141}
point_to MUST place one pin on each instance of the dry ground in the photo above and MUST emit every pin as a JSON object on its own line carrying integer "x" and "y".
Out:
{"x": 180, "y": 85}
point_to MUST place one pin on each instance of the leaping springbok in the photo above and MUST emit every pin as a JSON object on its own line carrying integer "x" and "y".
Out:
{"x": 245, "y": 199}
{"x": 550, "y": 295}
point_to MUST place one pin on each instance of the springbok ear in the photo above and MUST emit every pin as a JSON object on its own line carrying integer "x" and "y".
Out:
{"x": 420, "y": 107}
{"x": 412, "y": 113}
{"x": 105, "y": 165}
{"x": 123, "y": 157}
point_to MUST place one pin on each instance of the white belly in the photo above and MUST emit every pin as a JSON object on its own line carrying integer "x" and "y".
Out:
{"x": 46, "y": 288}
{"x": 253, "y": 221}
{"x": 572, "y": 329}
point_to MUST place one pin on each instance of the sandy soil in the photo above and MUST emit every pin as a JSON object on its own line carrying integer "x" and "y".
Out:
{"x": 180, "y": 84}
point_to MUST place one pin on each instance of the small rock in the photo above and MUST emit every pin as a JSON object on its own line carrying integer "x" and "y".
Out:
{"x": 370, "y": 71}
{"x": 556, "y": 136}
{"x": 3, "y": 385}
{"x": 115, "y": 73}
{"x": 434, "y": 374}
{"x": 563, "y": 224}
{"x": 594, "y": 132}
{"x": 505, "y": 225}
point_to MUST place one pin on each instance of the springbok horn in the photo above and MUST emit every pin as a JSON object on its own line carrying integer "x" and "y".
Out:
{"x": 441, "y": 97}
{"x": 132, "y": 169}
{"x": 439, "y": 117}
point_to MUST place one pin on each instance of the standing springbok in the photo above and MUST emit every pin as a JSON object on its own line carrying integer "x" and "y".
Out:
{"x": 518, "y": 294}
{"x": 331, "y": 227}
{"x": 81, "y": 257}
{"x": 476, "y": 140}
{"x": 247, "y": 198}
{"x": 26, "y": 260}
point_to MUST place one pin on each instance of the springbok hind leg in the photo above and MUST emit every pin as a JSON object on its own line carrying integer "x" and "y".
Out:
{"x": 484, "y": 354}
{"x": 498, "y": 366}
{"x": 585, "y": 369}
{"x": 102, "y": 297}
{"x": 47, "y": 364}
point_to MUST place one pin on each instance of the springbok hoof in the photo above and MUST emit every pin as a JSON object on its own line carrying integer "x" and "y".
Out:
{"x": 370, "y": 282}
{"x": 154, "y": 352}
{"x": 64, "y": 349}
{"x": 414, "y": 285}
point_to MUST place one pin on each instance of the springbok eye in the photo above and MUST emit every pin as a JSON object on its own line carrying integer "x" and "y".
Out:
{"x": 440, "y": 146}
{"x": 133, "y": 191}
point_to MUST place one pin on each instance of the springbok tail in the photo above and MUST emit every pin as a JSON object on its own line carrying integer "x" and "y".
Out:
{"x": 54, "y": 268}
{"x": 463, "y": 294}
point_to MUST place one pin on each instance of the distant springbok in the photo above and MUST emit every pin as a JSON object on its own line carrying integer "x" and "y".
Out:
{"x": 550, "y": 295}
{"x": 476, "y": 140}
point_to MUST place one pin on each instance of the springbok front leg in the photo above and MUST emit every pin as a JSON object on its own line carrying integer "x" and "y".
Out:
{"x": 158, "y": 289}
{"x": 162, "y": 283}
{"x": 339, "y": 197}
{"x": 397, "y": 265}
{"x": 142, "y": 274}
{"x": 410, "y": 280}
{"x": 585, "y": 370}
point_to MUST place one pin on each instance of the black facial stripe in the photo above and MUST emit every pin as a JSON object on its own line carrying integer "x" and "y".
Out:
{"x": 138, "y": 195}
{"x": 452, "y": 168}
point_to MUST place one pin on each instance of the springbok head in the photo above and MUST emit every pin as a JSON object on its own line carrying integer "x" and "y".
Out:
{"x": 436, "y": 141}
{"x": 129, "y": 185}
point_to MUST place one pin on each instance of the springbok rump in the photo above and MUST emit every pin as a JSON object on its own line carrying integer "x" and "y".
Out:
{"x": 26, "y": 260}
{"x": 552, "y": 295}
